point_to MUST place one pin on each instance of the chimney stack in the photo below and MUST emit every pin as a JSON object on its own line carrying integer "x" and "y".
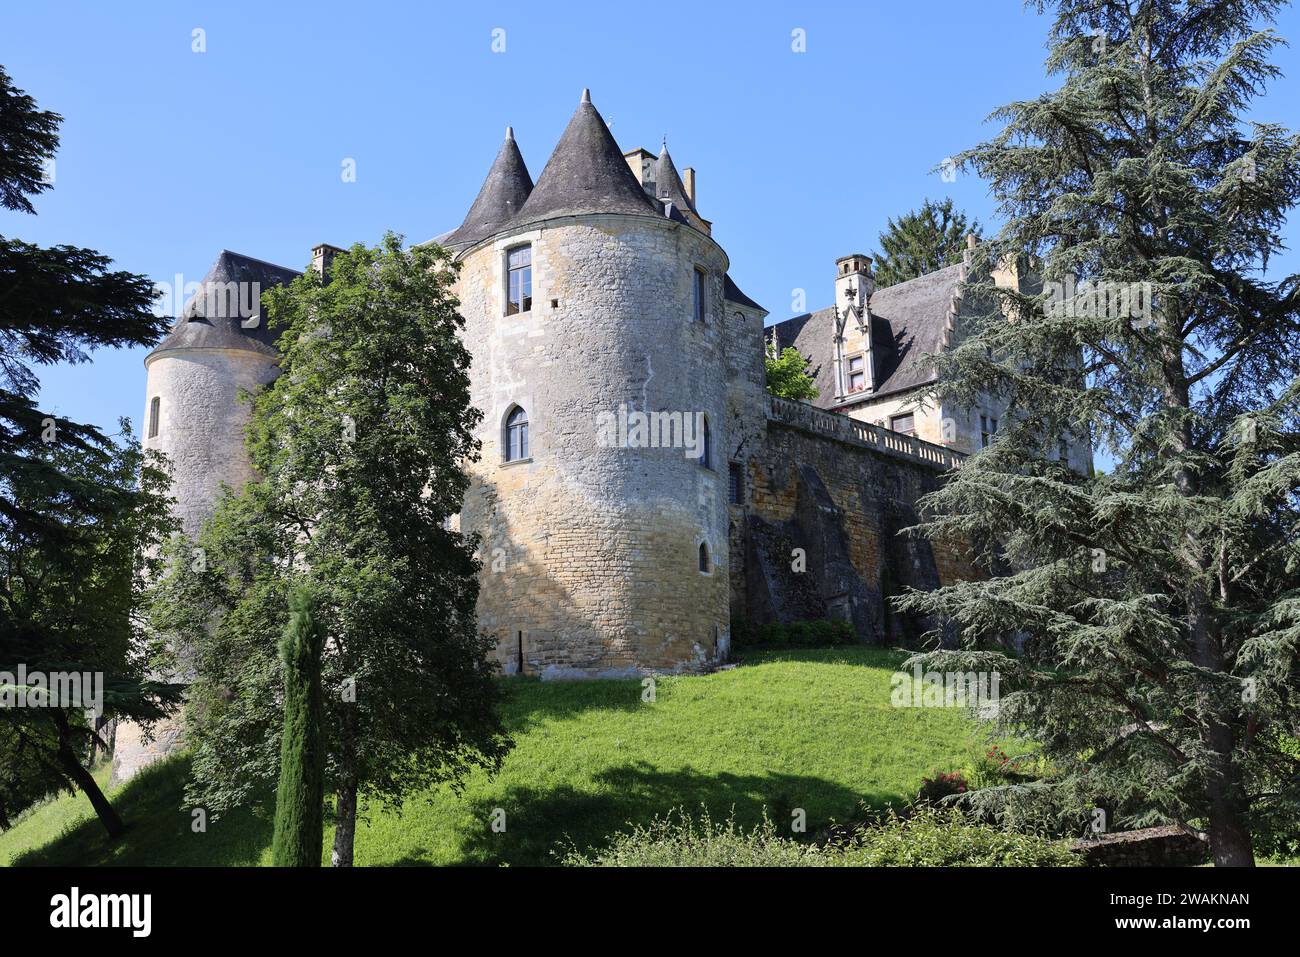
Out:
{"x": 688, "y": 183}
{"x": 322, "y": 255}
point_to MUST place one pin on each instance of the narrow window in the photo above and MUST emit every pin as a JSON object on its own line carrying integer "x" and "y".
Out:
{"x": 736, "y": 483}
{"x": 516, "y": 438}
{"x": 519, "y": 661}
{"x": 519, "y": 281}
{"x": 701, "y": 290}
{"x": 857, "y": 374}
{"x": 706, "y": 452}
{"x": 704, "y": 558}
{"x": 904, "y": 423}
{"x": 155, "y": 407}
{"x": 988, "y": 425}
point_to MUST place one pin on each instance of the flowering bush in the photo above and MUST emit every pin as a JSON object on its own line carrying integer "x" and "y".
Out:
{"x": 939, "y": 785}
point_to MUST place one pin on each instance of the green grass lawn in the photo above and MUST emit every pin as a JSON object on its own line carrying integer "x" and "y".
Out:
{"x": 809, "y": 729}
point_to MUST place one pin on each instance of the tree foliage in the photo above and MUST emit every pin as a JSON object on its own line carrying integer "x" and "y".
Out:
{"x": 360, "y": 446}
{"x": 922, "y": 241}
{"x": 81, "y": 513}
{"x": 787, "y": 374}
{"x": 299, "y": 828}
{"x": 1158, "y": 604}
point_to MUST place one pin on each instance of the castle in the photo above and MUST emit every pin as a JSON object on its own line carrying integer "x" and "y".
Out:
{"x": 638, "y": 490}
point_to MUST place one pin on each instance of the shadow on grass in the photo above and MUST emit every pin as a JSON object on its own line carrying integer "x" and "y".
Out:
{"x": 542, "y": 821}
{"x": 159, "y": 829}
{"x": 530, "y": 701}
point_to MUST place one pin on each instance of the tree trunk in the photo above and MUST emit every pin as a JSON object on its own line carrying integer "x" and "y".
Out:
{"x": 345, "y": 804}
{"x": 83, "y": 779}
{"x": 1230, "y": 840}
{"x": 345, "y": 828}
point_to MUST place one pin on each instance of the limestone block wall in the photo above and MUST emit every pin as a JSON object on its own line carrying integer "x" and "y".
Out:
{"x": 843, "y": 505}
{"x": 201, "y": 422}
{"x": 746, "y": 426}
{"x": 591, "y": 550}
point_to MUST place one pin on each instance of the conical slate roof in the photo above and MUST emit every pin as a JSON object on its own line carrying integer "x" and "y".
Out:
{"x": 586, "y": 174}
{"x": 668, "y": 185}
{"x": 215, "y": 318}
{"x": 502, "y": 196}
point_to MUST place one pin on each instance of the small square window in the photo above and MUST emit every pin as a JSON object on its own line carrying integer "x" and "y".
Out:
{"x": 904, "y": 423}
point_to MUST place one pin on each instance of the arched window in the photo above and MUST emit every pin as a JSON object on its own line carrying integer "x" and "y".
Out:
{"x": 516, "y": 437}
{"x": 706, "y": 452}
{"x": 155, "y": 407}
{"x": 705, "y": 565}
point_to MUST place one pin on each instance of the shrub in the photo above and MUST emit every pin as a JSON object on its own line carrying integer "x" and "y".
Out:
{"x": 677, "y": 840}
{"x": 930, "y": 838}
{"x": 991, "y": 770}
{"x": 939, "y": 785}
{"x": 943, "y": 838}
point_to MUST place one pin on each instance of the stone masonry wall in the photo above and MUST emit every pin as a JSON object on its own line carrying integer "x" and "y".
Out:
{"x": 590, "y": 552}
{"x": 844, "y": 506}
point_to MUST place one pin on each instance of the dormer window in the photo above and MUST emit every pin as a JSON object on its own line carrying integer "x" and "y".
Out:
{"x": 519, "y": 280}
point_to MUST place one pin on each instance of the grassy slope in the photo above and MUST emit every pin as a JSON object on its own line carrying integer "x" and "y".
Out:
{"x": 811, "y": 729}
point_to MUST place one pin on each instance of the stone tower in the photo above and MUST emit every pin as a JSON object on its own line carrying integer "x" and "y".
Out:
{"x": 594, "y": 308}
{"x": 193, "y": 414}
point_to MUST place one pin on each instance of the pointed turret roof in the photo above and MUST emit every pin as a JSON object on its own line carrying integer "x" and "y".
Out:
{"x": 586, "y": 174}
{"x": 668, "y": 185}
{"x": 212, "y": 320}
{"x": 500, "y": 199}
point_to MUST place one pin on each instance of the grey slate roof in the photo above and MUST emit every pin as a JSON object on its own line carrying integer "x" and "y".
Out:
{"x": 586, "y": 174}
{"x": 224, "y": 329}
{"x": 908, "y": 321}
{"x": 669, "y": 189}
{"x": 499, "y": 200}
{"x": 731, "y": 292}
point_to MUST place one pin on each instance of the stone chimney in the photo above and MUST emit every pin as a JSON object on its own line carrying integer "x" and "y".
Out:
{"x": 854, "y": 282}
{"x": 688, "y": 183}
{"x": 642, "y": 163}
{"x": 322, "y": 255}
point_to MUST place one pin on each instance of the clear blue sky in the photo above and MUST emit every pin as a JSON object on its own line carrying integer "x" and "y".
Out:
{"x": 169, "y": 156}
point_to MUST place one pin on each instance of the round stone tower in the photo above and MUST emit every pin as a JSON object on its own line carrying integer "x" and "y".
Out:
{"x": 593, "y": 307}
{"x": 193, "y": 414}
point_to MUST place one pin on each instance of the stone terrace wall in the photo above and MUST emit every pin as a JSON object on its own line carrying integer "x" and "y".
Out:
{"x": 841, "y": 490}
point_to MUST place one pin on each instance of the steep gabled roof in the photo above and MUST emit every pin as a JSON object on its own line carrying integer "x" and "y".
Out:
{"x": 499, "y": 200}
{"x": 908, "y": 321}
{"x": 586, "y": 174}
{"x": 224, "y": 328}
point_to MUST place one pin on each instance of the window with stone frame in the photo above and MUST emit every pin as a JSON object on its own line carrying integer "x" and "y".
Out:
{"x": 856, "y": 378}
{"x": 519, "y": 280}
{"x": 905, "y": 423}
{"x": 736, "y": 483}
{"x": 988, "y": 426}
{"x": 155, "y": 411}
{"x": 701, "y": 294}
{"x": 516, "y": 437}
